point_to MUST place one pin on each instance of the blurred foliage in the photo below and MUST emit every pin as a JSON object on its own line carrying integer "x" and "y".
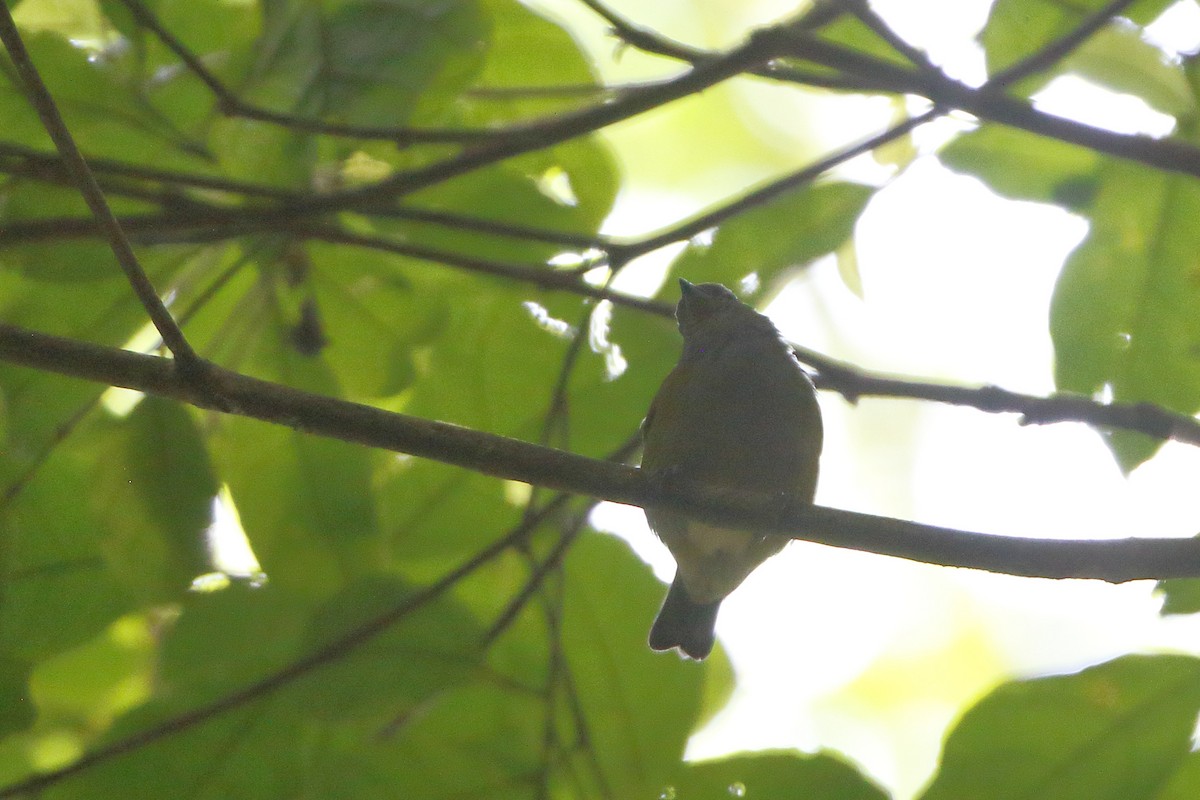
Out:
{"x": 352, "y": 668}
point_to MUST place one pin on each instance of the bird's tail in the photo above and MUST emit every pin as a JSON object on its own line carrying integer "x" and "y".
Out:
{"x": 684, "y": 623}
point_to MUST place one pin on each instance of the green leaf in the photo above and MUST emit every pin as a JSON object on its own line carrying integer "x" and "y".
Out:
{"x": 262, "y": 153}
{"x": 53, "y": 561}
{"x": 156, "y": 549}
{"x": 1185, "y": 783}
{"x": 1118, "y": 730}
{"x": 773, "y": 775}
{"x": 850, "y": 31}
{"x": 569, "y": 188}
{"x": 1123, "y": 313}
{"x": 16, "y": 707}
{"x": 304, "y": 502}
{"x": 785, "y": 232}
{"x": 1119, "y": 59}
{"x": 516, "y": 32}
{"x": 382, "y": 676}
{"x": 369, "y": 62}
{"x": 283, "y": 740}
{"x": 640, "y": 706}
{"x": 1180, "y": 595}
{"x": 56, "y": 259}
{"x": 1022, "y": 166}
{"x": 227, "y": 640}
{"x": 373, "y": 320}
{"x": 1016, "y": 29}
{"x": 105, "y": 115}
{"x": 223, "y": 35}
{"x": 478, "y": 740}
{"x": 106, "y": 675}
{"x": 171, "y": 472}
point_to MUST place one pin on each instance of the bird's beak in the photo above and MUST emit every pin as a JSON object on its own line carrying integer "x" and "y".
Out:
{"x": 686, "y": 287}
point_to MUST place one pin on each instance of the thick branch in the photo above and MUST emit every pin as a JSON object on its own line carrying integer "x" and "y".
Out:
{"x": 1110, "y": 560}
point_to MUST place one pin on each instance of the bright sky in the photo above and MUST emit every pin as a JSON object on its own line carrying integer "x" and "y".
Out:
{"x": 893, "y": 651}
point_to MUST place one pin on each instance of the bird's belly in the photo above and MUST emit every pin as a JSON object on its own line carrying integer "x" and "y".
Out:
{"x": 713, "y": 560}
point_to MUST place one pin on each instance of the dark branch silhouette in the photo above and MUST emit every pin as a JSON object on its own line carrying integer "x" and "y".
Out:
{"x": 1115, "y": 561}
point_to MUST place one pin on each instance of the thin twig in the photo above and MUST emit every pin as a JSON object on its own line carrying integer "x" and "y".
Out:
{"x": 1145, "y": 418}
{"x": 231, "y": 105}
{"x": 219, "y": 223}
{"x": 542, "y": 276}
{"x": 537, "y": 577}
{"x": 1057, "y": 50}
{"x": 1171, "y": 155}
{"x": 52, "y": 121}
{"x": 622, "y": 252}
{"x": 862, "y": 9}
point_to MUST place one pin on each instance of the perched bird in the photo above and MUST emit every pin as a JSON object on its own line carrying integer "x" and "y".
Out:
{"x": 736, "y": 412}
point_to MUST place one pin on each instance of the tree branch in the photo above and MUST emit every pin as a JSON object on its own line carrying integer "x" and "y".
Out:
{"x": 1115, "y": 561}
{"x": 39, "y": 96}
{"x": 1145, "y": 418}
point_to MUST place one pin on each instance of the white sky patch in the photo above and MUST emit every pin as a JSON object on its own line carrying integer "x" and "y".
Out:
{"x": 119, "y": 401}
{"x": 1177, "y": 30}
{"x": 598, "y": 339}
{"x": 228, "y": 548}
{"x": 1075, "y": 98}
{"x": 555, "y": 183}
{"x": 572, "y": 260}
{"x": 541, "y": 315}
{"x": 704, "y": 238}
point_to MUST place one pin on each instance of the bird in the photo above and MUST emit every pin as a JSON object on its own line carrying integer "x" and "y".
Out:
{"x": 736, "y": 412}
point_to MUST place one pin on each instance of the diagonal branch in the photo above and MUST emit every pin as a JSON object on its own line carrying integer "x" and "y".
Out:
{"x": 52, "y": 121}
{"x": 986, "y": 103}
{"x": 622, "y": 252}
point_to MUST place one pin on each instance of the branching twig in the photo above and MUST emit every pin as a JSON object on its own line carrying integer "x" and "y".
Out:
{"x": 231, "y": 105}
{"x": 1059, "y": 49}
{"x": 1145, "y": 418}
{"x": 986, "y": 103}
{"x": 862, "y": 9}
{"x": 52, "y": 121}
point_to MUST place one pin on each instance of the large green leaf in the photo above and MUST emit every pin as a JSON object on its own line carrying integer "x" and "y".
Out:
{"x": 1185, "y": 783}
{"x": 1017, "y": 29}
{"x": 16, "y": 709}
{"x": 305, "y": 502}
{"x": 1120, "y": 730}
{"x": 1123, "y": 315}
{"x": 154, "y": 486}
{"x": 56, "y": 259}
{"x": 786, "y": 232}
{"x": 1118, "y": 58}
{"x": 373, "y": 62}
{"x": 640, "y": 706}
{"x": 104, "y": 113}
{"x": 56, "y": 588}
{"x": 282, "y": 742}
{"x": 775, "y": 775}
{"x": 516, "y": 32}
{"x": 1023, "y": 166}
